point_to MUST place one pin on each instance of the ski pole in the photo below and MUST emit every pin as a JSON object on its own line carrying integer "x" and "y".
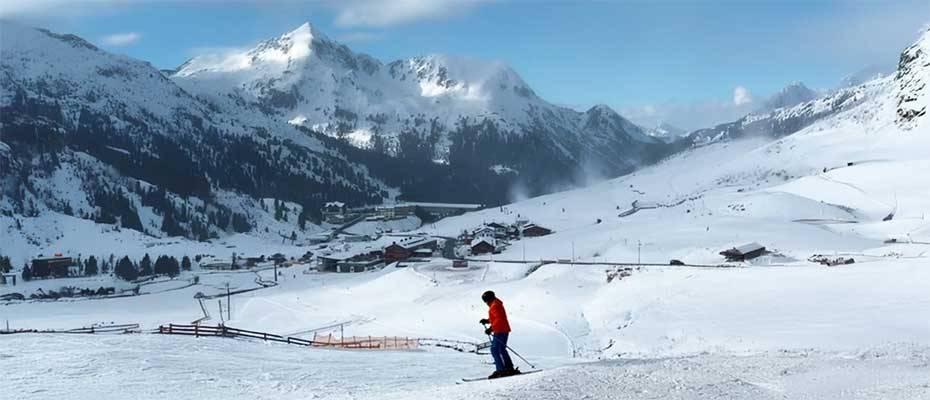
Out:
{"x": 511, "y": 349}
{"x": 521, "y": 357}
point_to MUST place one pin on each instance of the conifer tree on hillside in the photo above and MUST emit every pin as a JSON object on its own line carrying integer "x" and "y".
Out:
{"x": 90, "y": 266}
{"x": 5, "y": 265}
{"x": 161, "y": 265}
{"x": 145, "y": 266}
{"x": 126, "y": 270}
{"x": 174, "y": 267}
{"x": 186, "y": 263}
{"x": 27, "y": 272}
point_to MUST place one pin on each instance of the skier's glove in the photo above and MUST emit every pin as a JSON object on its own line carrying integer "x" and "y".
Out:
{"x": 487, "y": 331}
{"x": 484, "y": 321}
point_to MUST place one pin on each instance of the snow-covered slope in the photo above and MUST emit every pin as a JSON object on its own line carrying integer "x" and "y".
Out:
{"x": 455, "y": 110}
{"x": 852, "y": 184}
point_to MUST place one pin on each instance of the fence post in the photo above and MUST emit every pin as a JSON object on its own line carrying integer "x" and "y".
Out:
{"x": 196, "y": 330}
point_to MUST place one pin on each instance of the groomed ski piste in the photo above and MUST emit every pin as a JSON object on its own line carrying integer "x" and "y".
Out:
{"x": 775, "y": 327}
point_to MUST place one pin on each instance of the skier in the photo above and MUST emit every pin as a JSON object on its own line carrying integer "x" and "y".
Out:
{"x": 500, "y": 330}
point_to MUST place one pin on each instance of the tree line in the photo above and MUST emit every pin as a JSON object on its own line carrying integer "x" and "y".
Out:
{"x": 123, "y": 268}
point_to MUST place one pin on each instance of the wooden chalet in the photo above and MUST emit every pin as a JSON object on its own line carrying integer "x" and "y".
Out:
{"x": 54, "y": 266}
{"x": 403, "y": 249}
{"x": 483, "y": 245}
{"x": 533, "y": 230}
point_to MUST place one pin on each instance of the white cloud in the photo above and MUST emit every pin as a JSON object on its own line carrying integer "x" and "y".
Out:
{"x": 741, "y": 96}
{"x": 381, "y": 13}
{"x": 122, "y": 39}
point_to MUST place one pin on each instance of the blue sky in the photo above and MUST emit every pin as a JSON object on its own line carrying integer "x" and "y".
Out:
{"x": 647, "y": 59}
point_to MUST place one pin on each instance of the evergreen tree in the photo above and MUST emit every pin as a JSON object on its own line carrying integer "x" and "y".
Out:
{"x": 90, "y": 266}
{"x": 293, "y": 237}
{"x": 161, "y": 265}
{"x": 302, "y": 219}
{"x": 5, "y": 265}
{"x": 170, "y": 225}
{"x": 125, "y": 270}
{"x": 186, "y": 263}
{"x": 145, "y": 266}
{"x": 240, "y": 223}
{"x": 27, "y": 272}
{"x": 174, "y": 267}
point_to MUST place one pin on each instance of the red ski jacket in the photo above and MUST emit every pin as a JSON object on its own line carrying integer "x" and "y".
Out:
{"x": 498, "y": 317}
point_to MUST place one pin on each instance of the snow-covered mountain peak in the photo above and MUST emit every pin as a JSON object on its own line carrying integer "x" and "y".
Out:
{"x": 290, "y": 53}
{"x": 294, "y": 45}
{"x": 911, "y": 82}
{"x": 793, "y": 94}
{"x": 463, "y": 77}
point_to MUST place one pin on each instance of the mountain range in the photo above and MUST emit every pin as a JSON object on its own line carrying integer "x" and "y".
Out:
{"x": 257, "y": 140}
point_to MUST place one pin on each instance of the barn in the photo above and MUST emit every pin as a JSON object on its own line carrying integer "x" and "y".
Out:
{"x": 483, "y": 245}
{"x": 533, "y": 230}
{"x": 53, "y": 266}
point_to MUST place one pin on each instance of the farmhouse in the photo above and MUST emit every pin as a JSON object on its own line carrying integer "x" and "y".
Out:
{"x": 54, "y": 266}
{"x": 403, "y": 249}
{"x": 744, "y": 252}
{"x": 533, "y": 230}
{"x": 484, "y": 231}
{"x": 483, "y": 245}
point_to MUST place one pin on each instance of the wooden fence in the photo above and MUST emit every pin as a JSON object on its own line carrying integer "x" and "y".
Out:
{"x": 322, "y": 341}
{"x": 121, "y": 328}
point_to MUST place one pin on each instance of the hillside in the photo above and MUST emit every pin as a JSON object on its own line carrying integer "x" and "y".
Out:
{"x": 110, "y": 139}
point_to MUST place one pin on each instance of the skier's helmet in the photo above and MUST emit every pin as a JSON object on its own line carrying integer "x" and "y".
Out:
{"x": 488, "y": 296}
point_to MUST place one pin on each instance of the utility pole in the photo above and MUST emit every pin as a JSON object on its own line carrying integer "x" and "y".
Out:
{"x": 639, "y": 252}
{"x": 276, "y": 271}
{"x": 228, "y": 303}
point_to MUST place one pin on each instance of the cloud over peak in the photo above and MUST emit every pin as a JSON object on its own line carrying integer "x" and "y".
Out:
{"x": 741, "y": 96}
{"x": 122, "y": 39}
{"x": 381, "y": 14}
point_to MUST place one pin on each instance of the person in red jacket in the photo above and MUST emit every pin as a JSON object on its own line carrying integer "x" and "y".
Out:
{"x": 500, "y": 331}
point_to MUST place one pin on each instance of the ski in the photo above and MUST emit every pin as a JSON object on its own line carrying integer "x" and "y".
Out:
{"x": 503, "y": 377}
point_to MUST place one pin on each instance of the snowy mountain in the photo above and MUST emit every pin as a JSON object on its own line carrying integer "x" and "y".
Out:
{"x": 108, "y": 138}
{"x": 789, "y": 96}
{"x": 866, "y": 74}
{"x": 786, "y": 120}
{"x": 468, "y": 113}
{"x": 666, "y": 132}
